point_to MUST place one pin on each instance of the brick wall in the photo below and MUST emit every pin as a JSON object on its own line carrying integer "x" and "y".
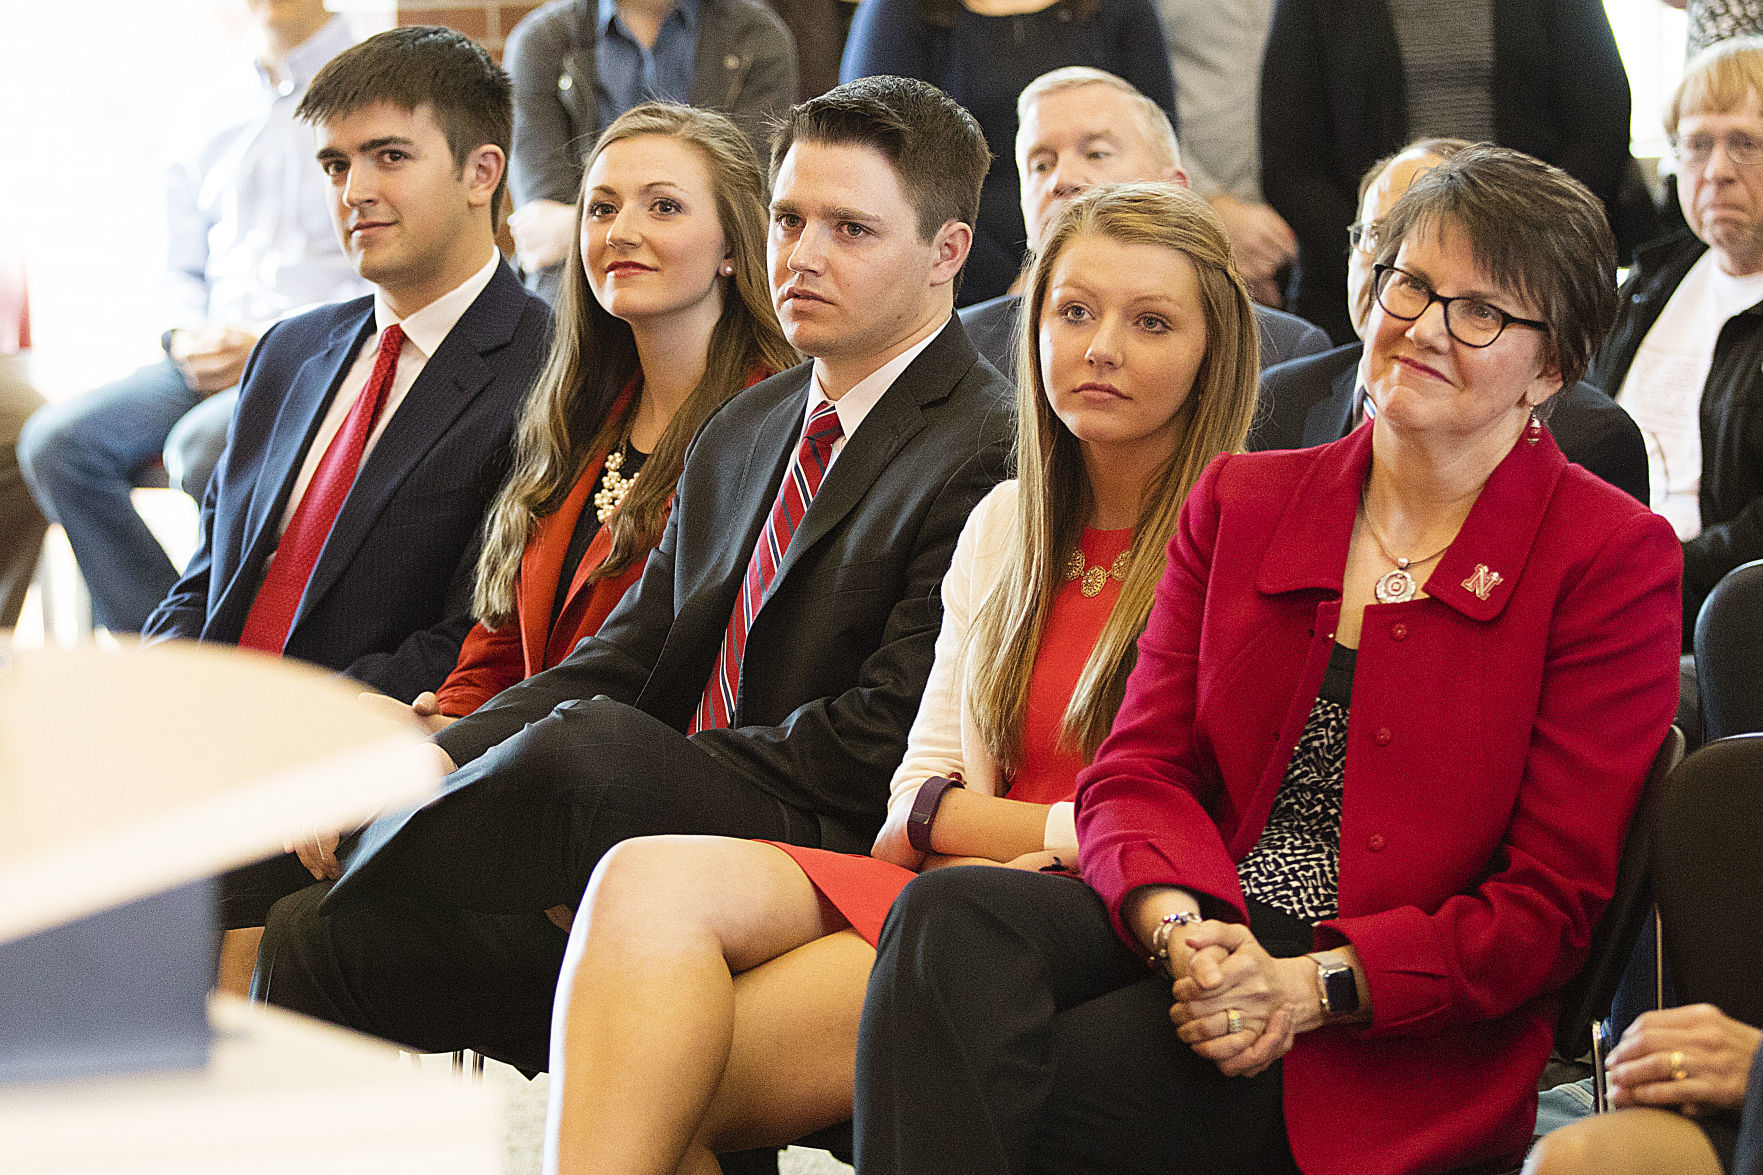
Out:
{"x": 485, "y": 21}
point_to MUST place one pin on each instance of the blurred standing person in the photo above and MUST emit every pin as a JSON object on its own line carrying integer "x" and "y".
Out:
{"x": 1215, "y": 51}
{"x": 249, "y": 242}
{"x": 579, "y": 64}
{"x": 1346, "y": 82}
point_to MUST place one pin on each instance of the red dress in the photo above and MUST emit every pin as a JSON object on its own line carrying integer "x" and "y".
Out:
{"x": 862, "y": 888}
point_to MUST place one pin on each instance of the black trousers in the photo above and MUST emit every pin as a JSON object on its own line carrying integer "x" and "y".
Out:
{"x": 436, "y": 938}
{"x": 1007, "y": 1029}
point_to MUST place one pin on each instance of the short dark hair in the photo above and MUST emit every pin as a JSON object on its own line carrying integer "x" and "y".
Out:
{"x": 422, "y": 65}
{"x": 1533, "y": 229}
{"x": 935, "y": 146}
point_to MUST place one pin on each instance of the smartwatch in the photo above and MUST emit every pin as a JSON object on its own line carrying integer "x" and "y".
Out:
{"x": 1335, "y": 984}
{"x": 924, "y": 810}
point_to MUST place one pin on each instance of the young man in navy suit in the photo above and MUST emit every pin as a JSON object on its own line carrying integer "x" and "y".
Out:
{"x": 341, "y": 527}
{"x": 760, "y": 679}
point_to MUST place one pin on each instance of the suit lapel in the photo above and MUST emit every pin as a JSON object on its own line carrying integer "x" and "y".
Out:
{"x": 1329, "y": 418}
{"x": 896, "y": 417}
{"x": 450, "y": 379}
{"x": 541, "y": 566}
{"x": 303, "y": 407}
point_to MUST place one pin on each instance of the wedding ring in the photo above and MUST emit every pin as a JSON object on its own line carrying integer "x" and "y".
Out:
{"x": 1234, "y": 1020}
{"x": 1678, "y": 1072}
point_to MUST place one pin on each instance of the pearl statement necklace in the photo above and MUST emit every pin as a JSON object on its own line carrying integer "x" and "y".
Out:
{"x": 613, "y": 485}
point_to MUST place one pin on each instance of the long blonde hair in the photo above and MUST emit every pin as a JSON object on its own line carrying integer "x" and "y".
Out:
{"x": 568, "y": 417}
{"x": 1054, "y": 498}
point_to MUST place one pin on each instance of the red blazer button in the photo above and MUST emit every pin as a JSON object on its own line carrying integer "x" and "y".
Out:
{"x": 1375, "y": 843}
{"x": 1398, "y": 632}
{"x": 1382, "y": 736}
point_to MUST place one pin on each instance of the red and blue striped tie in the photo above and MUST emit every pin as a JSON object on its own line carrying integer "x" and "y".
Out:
{"x": 800, "y": 485}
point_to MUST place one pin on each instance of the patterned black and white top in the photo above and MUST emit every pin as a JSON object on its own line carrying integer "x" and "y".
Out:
{"x": 1716, "y": 20}
{"x": 1296, "y": 865}
{"x": 1447, "y": 49}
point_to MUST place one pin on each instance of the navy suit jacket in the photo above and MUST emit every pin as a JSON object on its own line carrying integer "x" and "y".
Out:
{"x": 389, "y": 599}
{"x": 992, "y": 327}
{"x": 1310, "y": 402}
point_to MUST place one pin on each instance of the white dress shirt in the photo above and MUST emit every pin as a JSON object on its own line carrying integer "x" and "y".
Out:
{"x": 424, "y": 331}
{"x": 865, "y": 394}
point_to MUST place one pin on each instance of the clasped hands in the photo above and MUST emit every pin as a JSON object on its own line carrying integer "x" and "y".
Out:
{"x": 1221, "y": 969}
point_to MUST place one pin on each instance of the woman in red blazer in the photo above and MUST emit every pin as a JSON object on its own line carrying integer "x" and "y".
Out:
{"x": 663, "y": 314}
{"x": 1363, "y": 801}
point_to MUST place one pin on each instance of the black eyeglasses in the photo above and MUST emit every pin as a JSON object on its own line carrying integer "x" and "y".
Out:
{"x": 1362, "y": 235}
{"x": 1471, "y": 321}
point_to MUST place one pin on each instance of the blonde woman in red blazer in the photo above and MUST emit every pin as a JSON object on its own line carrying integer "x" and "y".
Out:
{"x": 1365, "y": 988}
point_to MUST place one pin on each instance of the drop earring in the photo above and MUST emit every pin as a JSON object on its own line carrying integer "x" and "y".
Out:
{"x": 1533, "y": 432}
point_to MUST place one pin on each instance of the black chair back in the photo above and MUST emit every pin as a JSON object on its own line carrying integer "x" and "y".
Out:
{"x": 1707, "y": 879}
{"x": 1729, "y": 654}
{"x": 1587, "y": 996}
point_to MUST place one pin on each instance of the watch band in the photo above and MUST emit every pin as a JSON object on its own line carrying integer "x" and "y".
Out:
{"x": 1336, "y": 986}
{"x": 924, "y": 810}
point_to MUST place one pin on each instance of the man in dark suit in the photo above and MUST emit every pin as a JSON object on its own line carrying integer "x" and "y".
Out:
{"x": 760, "y": 678}
{"x": 1318, "y": 399}
{"x": 1079, "y": 127}
{"x": 341, "y": 525}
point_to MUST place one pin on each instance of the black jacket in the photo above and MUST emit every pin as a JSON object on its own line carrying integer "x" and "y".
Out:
{"x": 1731, "y": 495}
{"x": 838, "y": 655}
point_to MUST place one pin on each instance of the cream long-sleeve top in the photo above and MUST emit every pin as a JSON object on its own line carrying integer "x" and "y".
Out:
{"x": 943, "y": 739}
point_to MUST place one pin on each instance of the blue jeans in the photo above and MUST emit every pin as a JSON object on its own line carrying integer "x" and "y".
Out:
{"x": 80, "y": 459}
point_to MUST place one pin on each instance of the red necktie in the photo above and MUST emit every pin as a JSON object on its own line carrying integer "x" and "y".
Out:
{"x": 272, "y": 612}
{"x": 800, "y": 485}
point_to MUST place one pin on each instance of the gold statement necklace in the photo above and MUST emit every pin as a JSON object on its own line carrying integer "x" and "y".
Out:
{"x": 1094, "y": 575}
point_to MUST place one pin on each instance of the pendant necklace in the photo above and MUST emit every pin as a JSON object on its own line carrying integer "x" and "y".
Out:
{"x": 1393, "y": 587}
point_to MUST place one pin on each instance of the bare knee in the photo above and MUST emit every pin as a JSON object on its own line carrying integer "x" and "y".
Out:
{"x": 1628, "y": 1142}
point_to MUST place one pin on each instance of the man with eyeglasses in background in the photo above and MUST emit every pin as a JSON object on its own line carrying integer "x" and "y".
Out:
{"x": 1686, "y": 354}
{"x": 1320, "y": 398}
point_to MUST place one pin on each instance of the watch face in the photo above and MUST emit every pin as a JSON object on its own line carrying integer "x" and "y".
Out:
{"x": 1340, "y": 990}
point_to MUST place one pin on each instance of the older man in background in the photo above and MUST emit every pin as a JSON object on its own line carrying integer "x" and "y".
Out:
{"x": 1079, "y": 127}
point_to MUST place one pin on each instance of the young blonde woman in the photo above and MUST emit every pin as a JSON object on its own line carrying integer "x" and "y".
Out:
{"x": 712, "y": 989}
{"x": 664, "y": 313}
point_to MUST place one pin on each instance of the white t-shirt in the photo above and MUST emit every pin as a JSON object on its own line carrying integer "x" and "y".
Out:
{"x": 1663, "y": 391}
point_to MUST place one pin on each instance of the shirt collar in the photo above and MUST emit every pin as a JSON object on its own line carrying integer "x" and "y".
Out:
{"x": 855, "y": 404}
{"x": 428, "y": 328}
{"x": 304, "y": 60}
{"x": 686, "y": 10}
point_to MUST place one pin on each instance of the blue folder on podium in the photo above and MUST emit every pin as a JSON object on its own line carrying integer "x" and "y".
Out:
{"x": 128, "y": 779}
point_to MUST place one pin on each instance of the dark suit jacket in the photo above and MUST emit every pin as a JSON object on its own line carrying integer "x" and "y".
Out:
{"x": 992, "y": 327}
{"x": 1310, "y": 402}
{"x": 389, "y": 599}
{"x": 838, "y": 654}
{"x": 1334, "y": 101}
